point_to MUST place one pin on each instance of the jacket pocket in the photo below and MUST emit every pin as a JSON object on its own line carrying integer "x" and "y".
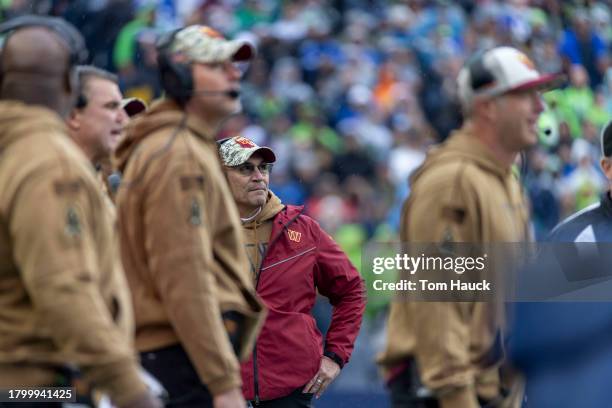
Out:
{"x": 287, "y": 353}
{"x": 315, "y": 336}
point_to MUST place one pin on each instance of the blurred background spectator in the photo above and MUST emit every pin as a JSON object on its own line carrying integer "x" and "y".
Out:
{"x": 351, "y": 94}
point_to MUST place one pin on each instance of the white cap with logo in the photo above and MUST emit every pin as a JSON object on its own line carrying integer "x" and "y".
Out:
{"x": 501, "y": 70}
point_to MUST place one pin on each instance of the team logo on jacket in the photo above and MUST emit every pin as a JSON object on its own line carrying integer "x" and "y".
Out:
{"x": 294, "y": 235}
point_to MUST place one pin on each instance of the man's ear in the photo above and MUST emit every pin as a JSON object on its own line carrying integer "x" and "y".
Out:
{"x": 606, "y": 167}
{"x": 482, "y": 108}
{"x": 74, "y": 120}
{"x": 489, "y": 108}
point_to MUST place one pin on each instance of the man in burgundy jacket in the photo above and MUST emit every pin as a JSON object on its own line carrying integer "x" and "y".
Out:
{"x": 291, "y": 259}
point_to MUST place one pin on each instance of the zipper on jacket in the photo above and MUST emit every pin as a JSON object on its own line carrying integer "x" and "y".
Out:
{"x": 255, "y": 379}
{"x": 255, "y": 375}
{"x": 273, "y": 241}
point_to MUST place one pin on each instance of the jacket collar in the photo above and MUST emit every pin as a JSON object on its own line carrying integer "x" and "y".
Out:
{"x": 194, "y": 123}
{"x": 201, "y": 128}
{"x": 270, "y": 209}
{"x": 464, "y": 142}
{"x": 17, "y": 120}
{"x": 164, "y": 113}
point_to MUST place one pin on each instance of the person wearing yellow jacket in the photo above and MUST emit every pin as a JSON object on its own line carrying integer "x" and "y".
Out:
{"x": 444, "y": 354}
{"x": 64, "y": 301}
{"x": 196, "y": 310}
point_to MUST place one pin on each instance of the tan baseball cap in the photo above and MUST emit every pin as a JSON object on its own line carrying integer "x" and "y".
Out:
{"x": 203, "y": 44}
{"x": 238, "y": 149}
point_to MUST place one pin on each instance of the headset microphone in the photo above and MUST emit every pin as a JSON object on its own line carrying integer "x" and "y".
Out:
{"x": 231, "y": 93}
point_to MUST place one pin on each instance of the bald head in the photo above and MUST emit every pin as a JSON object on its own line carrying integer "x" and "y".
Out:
{"x": 35, "y": 65}
{"x": 36, "y": 50}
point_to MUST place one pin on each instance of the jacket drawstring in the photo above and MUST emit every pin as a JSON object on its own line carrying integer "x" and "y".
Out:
{"x": 257, "y": 264}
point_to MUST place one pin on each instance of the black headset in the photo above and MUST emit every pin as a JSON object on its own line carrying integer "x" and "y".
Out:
{"x": 480, "y": 76}
{"x": 81, "y": 101}
{"x": 176, "y": 78}
{"x": 67, "y": 32}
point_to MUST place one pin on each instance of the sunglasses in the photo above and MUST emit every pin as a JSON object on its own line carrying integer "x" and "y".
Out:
{"x": 247, "y": 169}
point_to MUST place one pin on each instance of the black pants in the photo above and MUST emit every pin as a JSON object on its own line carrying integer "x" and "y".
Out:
{"x": 405, "y": 390}
{"x": 296, "y": 399}
{"x": 173, "y": 369}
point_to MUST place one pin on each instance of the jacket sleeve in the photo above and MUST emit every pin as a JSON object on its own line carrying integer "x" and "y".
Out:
{"x": 338, "y": 280}
{"x": 443, "y": 329}
{"x": 58, "y": 259}
{"x": 179, "y": 229}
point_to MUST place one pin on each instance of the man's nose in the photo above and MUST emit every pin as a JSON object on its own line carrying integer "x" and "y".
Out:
{"x": 122, "y": 117}
{"x": 257, "y": 174}
{"x": 233, "y": 72}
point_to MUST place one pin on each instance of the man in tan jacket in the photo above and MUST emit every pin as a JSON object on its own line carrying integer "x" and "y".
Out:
{"x": 181, "y": 243}
{"x": 64, "y": 301}
{"x": 97, "y": 122}
{"x": 466, "y": 192}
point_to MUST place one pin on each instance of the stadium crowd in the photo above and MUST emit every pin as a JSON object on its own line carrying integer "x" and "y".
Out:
{"x": 353, "y": 92}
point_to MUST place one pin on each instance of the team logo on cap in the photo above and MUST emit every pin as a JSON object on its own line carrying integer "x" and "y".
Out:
{"x": 244, "y": 142}
{"x": 210, "y": 32}
{"x": 526, "y": 61}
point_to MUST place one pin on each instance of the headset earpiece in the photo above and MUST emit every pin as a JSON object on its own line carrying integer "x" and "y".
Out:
{"x": 81, "y": 101}
{"x": 176, "y": 78}
{"x": 480, "y": 76}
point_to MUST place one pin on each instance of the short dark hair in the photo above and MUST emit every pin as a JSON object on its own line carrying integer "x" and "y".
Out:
{"x": 84, "y": 74}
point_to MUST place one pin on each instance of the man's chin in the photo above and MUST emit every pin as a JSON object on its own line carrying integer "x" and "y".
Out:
{"x": 533, "y": 139}
{"x": 236, "y": 109}
{"x": 529, "y": 137}
{"x": 258, "y": 197}
{"x": 113, "y": 143}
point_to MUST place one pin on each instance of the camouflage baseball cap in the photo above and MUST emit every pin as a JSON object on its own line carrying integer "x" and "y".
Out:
{"x": 236, "y": 150}
{"x": 201, "y": 43}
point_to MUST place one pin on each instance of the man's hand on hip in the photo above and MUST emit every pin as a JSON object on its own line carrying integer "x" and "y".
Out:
{"x": 328, "y": 371}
